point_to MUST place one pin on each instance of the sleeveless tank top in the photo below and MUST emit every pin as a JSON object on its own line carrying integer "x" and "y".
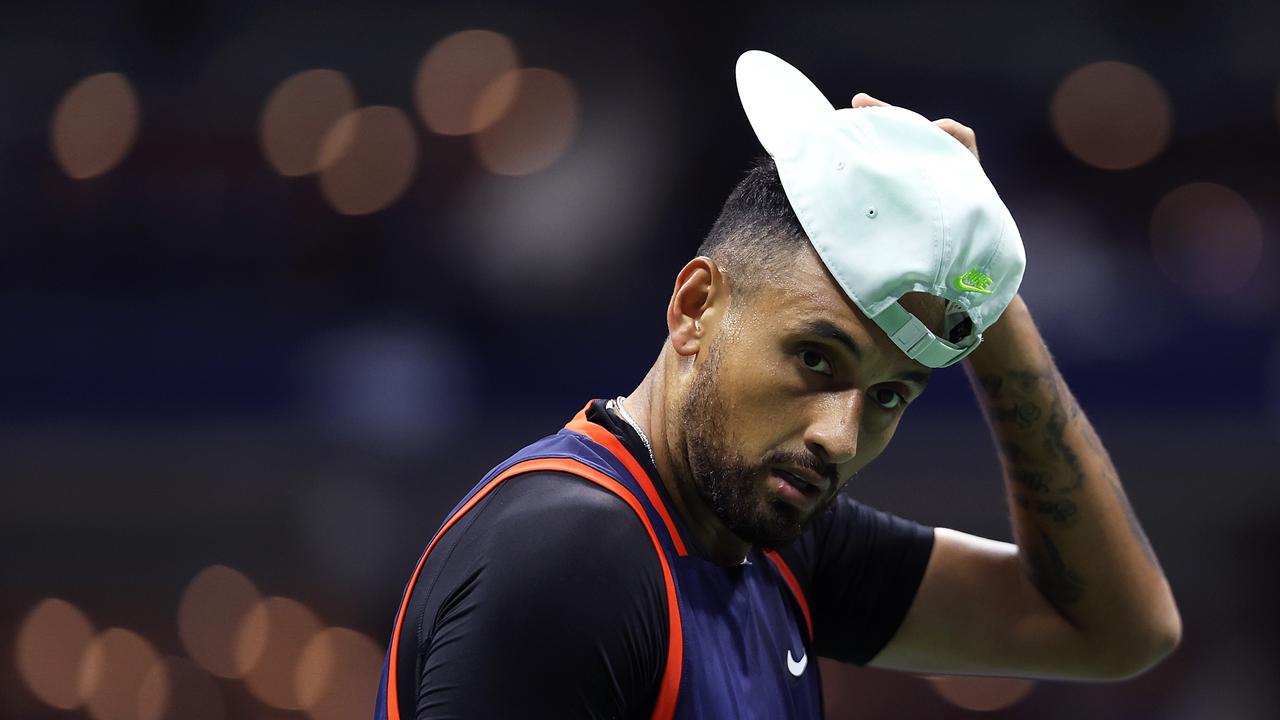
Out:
{"x": 739, "y": 639}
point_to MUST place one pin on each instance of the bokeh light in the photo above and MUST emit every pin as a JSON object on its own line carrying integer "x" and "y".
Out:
{"x": 981, "y": 693}
{"x": 94, "y": 125}
{"x": 116, "y": 666}
{"x": 1112, "y": 115}
{"x": 526, "y": 247}
{"x": 178, "y": 689}
{"x": 537, "y": 128}
{"x": 453, "y": 77}
{"x": 50, "y": 643}
{"x": 213, "y": 607}
{"x": 334, "y": 676}
{"x": 298, "y": 114}
{"x": 1206, "y": 238}
{"x": 286, "y": 626}
{"x": 370, "y": 156}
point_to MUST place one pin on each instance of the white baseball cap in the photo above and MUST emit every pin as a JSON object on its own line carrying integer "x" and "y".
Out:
{"x": 892, "y": 204}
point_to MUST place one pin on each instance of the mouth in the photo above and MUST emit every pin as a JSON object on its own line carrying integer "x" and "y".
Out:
{"x": 801, "y": 489}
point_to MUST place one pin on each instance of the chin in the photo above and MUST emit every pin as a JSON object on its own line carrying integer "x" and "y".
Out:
{"x": 775, "y": 524}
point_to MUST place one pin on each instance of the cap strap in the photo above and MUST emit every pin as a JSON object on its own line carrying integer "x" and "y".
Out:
{"x": 917, "y": 342}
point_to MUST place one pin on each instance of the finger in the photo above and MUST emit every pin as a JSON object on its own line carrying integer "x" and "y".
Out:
{"x": 864, "y": 100}
{"x": 962, "y": 133}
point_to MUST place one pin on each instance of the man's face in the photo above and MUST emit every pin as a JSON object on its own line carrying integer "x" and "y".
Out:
{"x": 797, "y": 392}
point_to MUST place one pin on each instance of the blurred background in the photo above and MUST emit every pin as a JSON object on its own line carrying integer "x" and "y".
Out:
{"x": 280, "y": 281}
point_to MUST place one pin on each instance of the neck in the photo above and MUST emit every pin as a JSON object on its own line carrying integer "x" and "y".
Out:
{"x": 658, "y": 414}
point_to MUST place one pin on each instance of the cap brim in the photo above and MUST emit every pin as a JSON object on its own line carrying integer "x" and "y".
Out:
{"x": 779, "y": 100}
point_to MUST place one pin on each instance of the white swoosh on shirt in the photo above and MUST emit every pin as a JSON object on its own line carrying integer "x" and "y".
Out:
{"x": 797, "y": 666}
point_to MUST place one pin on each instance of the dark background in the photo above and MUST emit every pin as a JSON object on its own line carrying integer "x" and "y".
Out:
{"x": 204, "y": 362}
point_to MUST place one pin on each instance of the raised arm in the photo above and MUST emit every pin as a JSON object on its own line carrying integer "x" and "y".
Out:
{"x": 1081, "y": 595}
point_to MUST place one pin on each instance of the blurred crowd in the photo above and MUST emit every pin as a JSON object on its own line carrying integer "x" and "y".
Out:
{"x": 280, "y": 281}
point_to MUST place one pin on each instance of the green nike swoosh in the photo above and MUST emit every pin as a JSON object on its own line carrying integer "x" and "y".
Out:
{"x": 962, "y": 285}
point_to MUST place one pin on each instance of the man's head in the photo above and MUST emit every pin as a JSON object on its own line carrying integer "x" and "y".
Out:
{"x": 785, "y": 388}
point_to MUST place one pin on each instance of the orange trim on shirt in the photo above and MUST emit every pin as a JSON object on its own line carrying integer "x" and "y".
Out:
{"x": 669, "y": 686}
{"x": 602, "y": 436}
{"x": 794, "y": 584}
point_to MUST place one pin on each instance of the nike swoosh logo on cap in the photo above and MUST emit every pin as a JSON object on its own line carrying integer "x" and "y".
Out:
{"x": 797, "y": 666}
{"x": 974, "y": 281}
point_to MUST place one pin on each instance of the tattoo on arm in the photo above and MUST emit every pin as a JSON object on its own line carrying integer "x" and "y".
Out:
{"x": 1063, "y": 512}
{"x": 1059, "y": 583}
{"x": 1032, "y": 411}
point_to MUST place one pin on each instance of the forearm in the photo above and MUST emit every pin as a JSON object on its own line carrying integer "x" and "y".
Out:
{"x": 1078, "y": 538}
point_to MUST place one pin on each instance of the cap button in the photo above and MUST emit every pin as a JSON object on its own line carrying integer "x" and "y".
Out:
{"x": 839, "y": 164}
{"x": 871, "y": 212}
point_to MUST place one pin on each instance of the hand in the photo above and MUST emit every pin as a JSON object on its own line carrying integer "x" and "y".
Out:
{"x": 960, "y": 132}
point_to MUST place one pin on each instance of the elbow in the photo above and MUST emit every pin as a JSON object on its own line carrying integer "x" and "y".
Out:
{"x": 1161, "y": 636}
{"x": 1145, "y": 650}
{"x": 1159, "y": 644}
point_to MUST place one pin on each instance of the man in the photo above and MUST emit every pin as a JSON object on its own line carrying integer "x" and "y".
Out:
{"x": 683, "y": 551}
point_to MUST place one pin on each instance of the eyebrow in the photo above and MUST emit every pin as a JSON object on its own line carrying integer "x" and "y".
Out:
{"x": 830, "y": 331}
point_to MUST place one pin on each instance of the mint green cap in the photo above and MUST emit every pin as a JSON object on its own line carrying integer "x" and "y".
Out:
{"x": 892, "y": 204}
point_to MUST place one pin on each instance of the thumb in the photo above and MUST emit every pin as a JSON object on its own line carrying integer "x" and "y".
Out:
{"x": 864, "y": 100}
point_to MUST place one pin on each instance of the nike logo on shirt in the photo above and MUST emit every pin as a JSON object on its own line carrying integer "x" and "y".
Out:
{"x": 796, "y": 666}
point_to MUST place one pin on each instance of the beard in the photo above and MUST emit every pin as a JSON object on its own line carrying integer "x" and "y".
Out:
{"x": 733, "y": 487}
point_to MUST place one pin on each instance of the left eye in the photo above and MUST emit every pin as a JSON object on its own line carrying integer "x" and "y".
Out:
{"x": 815, "y": 362}
{"x": 888, "y": 399}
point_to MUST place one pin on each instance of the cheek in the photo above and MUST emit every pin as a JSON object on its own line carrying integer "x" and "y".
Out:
{"x": 759, "y": 406}
{"x": 875, "y": 436}
{"x": 766, "y": 396}
{"x": 877, "y": 426}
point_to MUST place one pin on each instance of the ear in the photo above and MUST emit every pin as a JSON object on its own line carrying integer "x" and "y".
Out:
{"x": 700, "y": 298}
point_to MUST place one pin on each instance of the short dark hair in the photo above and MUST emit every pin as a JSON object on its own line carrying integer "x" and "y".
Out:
{"x": 757, "y": 230}
{"x": 758, "y": 234}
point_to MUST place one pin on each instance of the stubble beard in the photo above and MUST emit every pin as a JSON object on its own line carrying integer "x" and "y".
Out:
{"x": 732, "y": 487}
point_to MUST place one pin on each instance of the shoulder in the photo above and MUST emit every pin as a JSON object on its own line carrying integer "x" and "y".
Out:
{"x": 550, "y": 507}
{"x": 547, "y": 490}
{"x": 552, "y": 548}
{"x": 555, "y": 595}
{"x": 557, "y": 523}
{"x": 553, "y": 553}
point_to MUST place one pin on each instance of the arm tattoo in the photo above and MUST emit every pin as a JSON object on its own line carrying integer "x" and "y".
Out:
{"x": 1062, "y": 512}
{"x": 1031, "y": 412}
{"x": 1059, "y": 583}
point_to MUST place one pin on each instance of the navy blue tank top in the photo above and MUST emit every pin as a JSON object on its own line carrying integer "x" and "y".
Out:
{"x": 739, "y": 639}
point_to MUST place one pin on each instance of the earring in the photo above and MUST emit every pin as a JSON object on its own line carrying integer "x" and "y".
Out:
{"x": 697, "y": 326}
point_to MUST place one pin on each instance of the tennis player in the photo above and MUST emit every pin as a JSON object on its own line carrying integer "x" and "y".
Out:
{"x": 684, "y": 551}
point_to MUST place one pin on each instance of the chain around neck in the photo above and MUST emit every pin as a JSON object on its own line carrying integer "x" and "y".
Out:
{"x": 626, "y": 417}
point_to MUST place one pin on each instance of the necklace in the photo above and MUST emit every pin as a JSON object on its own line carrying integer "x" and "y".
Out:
{"x": 626, "y": 417}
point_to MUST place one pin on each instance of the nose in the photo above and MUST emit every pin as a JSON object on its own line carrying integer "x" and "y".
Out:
{"x": 833, "y": 433}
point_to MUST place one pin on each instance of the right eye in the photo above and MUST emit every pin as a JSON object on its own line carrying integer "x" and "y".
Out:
{"x": 814, "y": 361}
